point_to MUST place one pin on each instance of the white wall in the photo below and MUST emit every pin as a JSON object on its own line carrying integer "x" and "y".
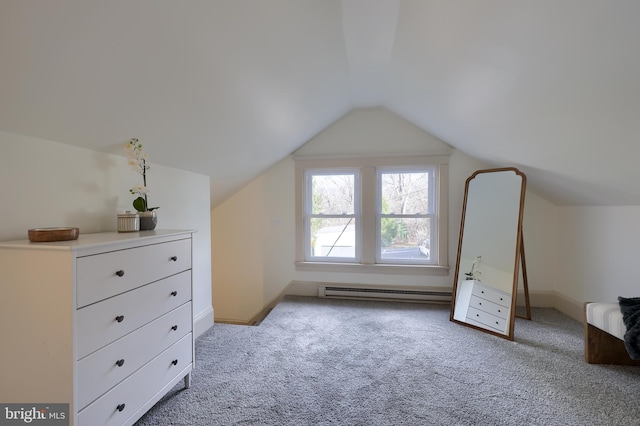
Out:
{"x": 540, "y": 233}
{"x": 48, "y": 184}
{"x": 599, "y": 249}
{"x": 237, "y": 254}
{"x": 254, "y": 231}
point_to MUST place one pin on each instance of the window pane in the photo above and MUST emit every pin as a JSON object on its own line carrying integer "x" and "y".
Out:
{"x": 405, "y": 239}
{"x": 333, "y": 237}
{"x": 332, "y": 194}
{"x": 404, "y": 193}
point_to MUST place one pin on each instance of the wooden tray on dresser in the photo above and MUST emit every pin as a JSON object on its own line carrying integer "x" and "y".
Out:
{"x": 43, "y": 235}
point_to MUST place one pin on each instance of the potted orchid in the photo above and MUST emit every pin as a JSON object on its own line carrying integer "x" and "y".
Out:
{"x": 138, "y": 160}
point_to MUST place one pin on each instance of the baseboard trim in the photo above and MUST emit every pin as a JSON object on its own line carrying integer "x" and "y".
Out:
{"x": 203, "y": 321}
{"x": 570, "y": 307}
{"x": 232, "y": 321}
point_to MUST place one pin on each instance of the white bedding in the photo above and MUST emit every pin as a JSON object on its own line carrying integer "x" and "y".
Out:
{"x": 607, "y": 317}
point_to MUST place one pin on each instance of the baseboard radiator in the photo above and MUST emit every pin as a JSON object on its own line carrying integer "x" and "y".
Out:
{"x": 343, "y": 292}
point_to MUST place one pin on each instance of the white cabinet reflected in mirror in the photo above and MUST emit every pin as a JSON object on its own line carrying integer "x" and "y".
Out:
{"x": 490, "y": 251}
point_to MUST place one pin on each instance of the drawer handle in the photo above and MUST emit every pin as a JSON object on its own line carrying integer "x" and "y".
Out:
{"x": 174, "y": 328}
{"x": 120, "y": 318}
{"x": 120, "y": 362}
{"x": 120, "y": 273}
{"x": 174, "y": 293}
{"x": 174, "y": 258}
{"x": 120, "y": 407}
{"x": 174, "y": 362}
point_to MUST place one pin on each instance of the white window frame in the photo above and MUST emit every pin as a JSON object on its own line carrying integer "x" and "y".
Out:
{"x": 308, "y": 214}
{"x": 432, "y": 212}
{"x": 367, "y": 236}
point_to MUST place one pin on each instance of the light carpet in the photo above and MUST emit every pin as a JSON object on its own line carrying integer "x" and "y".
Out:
{"x": 342, "y": 362}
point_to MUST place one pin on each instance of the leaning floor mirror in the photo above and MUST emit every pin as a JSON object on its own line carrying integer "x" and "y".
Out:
{"x": 490, "y": 253}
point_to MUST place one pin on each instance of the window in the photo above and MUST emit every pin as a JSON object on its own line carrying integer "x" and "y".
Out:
{"x": 331, "y": 218}
{"x": 406, "y": 220}
{"x": 372, "y": 214}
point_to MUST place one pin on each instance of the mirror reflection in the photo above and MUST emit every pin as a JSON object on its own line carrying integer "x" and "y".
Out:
{"x": 486, "y": 276}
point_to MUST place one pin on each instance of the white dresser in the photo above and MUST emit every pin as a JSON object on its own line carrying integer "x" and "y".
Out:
{"x": 103, "y": 323}
{"x": 482, "y": 305}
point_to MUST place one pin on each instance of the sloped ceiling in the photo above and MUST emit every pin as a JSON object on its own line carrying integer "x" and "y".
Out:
{"x": 228, "y": 88}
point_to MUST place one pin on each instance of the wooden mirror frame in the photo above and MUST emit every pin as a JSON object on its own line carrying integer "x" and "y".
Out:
{"x": 518, "y": 260}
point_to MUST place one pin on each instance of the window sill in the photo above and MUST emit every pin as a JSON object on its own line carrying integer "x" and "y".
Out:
{"x": 372, "y": 268}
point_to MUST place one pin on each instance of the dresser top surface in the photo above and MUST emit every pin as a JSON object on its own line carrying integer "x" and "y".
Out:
{"x": 99, "y": 239}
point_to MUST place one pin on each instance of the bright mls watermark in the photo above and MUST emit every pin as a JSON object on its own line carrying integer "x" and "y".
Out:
{"x": 36, "y": 414}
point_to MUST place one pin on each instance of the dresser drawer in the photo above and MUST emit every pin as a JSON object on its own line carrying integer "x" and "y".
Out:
{"x": 102, "y": 323}
{"x": 490, "y": 307}
{"x": 486, "y": 319}
{"x": 107, "y": 274}
{"x": 492, "y": 295}
{"x": 118, "y": 405}
{"x": 105, "y": 368}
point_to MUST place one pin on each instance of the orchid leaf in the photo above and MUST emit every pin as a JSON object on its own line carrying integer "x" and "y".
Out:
{"x": 140, "y": 204}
